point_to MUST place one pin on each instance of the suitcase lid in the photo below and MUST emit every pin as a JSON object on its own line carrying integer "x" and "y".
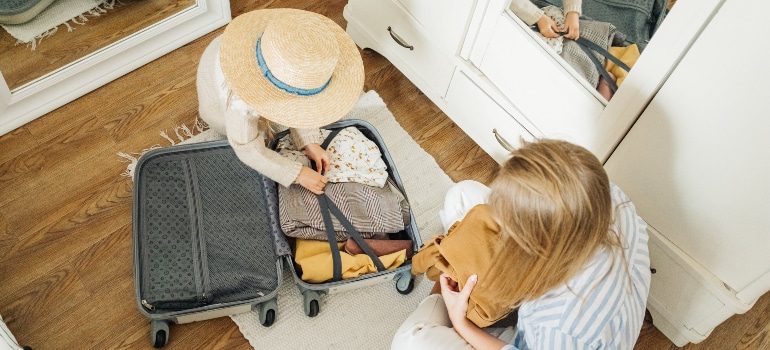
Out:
{"x": 205, "y": 225}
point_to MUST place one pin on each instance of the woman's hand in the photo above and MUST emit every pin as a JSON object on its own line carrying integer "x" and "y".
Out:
{"x": 571, "y": 28}
{"x": 547, "y": 27}
{"x": 312, "y": 180}
{"x": 317, "y": 154}
{"x": 456, "y": 300}
{"x": 457, "y": 307}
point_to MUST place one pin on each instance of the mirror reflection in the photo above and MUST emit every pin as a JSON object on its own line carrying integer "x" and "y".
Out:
{"x": 39, "y": 37}
{"x": 600, "y": 40}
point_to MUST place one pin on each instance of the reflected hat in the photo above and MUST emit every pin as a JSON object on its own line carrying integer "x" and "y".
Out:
{"x": 293, "y": 67}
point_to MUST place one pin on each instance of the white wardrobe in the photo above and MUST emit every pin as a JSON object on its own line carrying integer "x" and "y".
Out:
{"x": 684, "y": 136}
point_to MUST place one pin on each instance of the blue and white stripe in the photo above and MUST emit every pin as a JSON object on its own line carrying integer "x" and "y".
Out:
{"x": 602, "y": 307}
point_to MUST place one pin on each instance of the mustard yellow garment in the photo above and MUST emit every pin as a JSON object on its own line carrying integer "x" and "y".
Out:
{"x": 627, "y": 55}
{"x": 315, "y": 259}
{"x": 465, "y": 250}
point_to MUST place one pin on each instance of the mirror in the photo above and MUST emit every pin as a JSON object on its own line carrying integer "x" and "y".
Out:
{"x": 30, "y": 88}
{"x": 624, "y": 28}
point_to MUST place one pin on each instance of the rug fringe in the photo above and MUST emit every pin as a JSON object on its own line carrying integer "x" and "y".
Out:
{"x": 182, "y": 132}
{"x": 81, "y": 19}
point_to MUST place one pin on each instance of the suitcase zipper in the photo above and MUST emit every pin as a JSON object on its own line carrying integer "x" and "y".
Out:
{"x": 201, "y": 275}
{"x": 147, "y": 305}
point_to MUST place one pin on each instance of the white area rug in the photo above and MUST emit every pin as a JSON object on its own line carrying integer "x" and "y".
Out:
{"x": 60, "y": 12}
{"x": 365, "y": 318}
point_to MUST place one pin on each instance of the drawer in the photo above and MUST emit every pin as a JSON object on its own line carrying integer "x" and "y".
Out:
{"x": 482, "y": 119}
{"x": 444, "y": 20}
{"x": 391, "y": 31}
{"x": 691, "y": 299}
{"x": 545, "y": 92}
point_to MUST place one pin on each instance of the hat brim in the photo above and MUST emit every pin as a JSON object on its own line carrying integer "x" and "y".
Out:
{"x": 242, "y": 73}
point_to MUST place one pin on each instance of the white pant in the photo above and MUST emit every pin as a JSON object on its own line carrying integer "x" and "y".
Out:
{"x": 429, "y": 327}
{"x": 460, "y": 199}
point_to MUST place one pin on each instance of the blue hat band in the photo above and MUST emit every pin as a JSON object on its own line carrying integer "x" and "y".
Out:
{"x": 279, "y": 84}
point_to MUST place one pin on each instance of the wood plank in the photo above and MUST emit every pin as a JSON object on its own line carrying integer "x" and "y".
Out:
{"x": 64, "y": 232}
{"x": 43, "y": 298}
{"x": 109, "y": 259}
{"x": 758, "y": 334}
{"x": 14, "y": 143}
{"x": 103, "y": 315}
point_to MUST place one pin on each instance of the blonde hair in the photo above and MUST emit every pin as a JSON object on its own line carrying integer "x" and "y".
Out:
{"x": 552, "y": 202}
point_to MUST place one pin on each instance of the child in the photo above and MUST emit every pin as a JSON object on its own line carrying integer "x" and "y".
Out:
{"x": 288, "y": 67}
{"x": 555, "y": 239}
{"x": 531, "y": 14}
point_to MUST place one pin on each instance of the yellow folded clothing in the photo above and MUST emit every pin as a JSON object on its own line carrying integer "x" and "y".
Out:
{"x": 628, "y": 55}
{"x": 315, "y": 259}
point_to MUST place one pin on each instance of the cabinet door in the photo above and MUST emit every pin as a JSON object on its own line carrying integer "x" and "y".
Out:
{"x": 697, "y": 162}
{"x": 445, "y": 20}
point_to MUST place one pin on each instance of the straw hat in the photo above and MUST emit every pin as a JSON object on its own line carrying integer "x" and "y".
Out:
{"x": 311, "y": 71}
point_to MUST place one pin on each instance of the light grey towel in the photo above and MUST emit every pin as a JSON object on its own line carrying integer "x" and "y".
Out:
{"x": 636, "y": 19}
{"x": 600, "y": 33}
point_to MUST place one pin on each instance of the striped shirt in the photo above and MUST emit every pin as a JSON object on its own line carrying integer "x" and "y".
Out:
{"x": 600, "y": 308}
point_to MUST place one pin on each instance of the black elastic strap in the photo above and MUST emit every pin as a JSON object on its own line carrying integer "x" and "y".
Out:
{"x": 596, "y": 47}
{"x": 325, "y": 144}
{"x": 329, "y": 138}
{"x": 588, "y": 45}
{"x": 331, "y": 237}
{"x": 354, "y": 234}
{"x": 599, "y": 67}
{"x": 327, "y": 206}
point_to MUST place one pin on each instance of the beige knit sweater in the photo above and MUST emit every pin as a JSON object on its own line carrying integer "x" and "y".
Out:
{"x": 239, "y": 122}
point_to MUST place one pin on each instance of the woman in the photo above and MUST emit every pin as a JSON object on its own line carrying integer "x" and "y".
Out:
{"x": 552, "y": 238}
{"x": 288, "y": 67}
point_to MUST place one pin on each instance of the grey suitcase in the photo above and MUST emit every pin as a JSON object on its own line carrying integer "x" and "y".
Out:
{"x": 404, "y": 280}
{"x": 207, "y": 242}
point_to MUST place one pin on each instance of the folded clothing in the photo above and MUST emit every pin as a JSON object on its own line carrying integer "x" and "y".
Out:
{"x": 465, "y": 250}
{"x": 353, "y": 157}
{"x": 381, "y": 247}
{"x": 373, "y": 211}
{"x": 628, "y": 55}
{"x": 314, "y": 259}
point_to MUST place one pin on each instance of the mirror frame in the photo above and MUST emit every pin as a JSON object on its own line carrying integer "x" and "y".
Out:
{"x": 53, "y": 90}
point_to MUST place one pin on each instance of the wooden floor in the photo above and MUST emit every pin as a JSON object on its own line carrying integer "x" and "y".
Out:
{"x": 65, "y": 211}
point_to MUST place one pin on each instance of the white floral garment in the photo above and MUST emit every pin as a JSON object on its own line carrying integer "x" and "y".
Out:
{"x": 354, "y": 158}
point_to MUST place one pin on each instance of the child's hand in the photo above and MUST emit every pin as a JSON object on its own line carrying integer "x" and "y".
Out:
{"x": 311, "y": 180}
{"x": 572, "y": 26}
{"x": 547, "y": 27}
{"x": 314, "y": 152}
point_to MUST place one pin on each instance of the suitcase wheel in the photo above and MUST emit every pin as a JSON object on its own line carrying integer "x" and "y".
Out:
{"x": 405, "y": 282}
{"x": 267, "y": 312}
{"x": 159, "y": 335}
{"x": 311, "y": 301}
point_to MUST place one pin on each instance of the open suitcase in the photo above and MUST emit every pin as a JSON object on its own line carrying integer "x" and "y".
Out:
{"x": 207, "y": 241}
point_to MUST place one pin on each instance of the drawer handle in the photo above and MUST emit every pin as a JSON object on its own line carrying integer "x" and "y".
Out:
{"x": 503, "y": 142}
{"x": 399, "y": 40}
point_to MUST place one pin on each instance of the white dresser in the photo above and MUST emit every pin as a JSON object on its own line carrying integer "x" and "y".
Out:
{"x": 489, "y": 73}
{"x": 476, "y": 59}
